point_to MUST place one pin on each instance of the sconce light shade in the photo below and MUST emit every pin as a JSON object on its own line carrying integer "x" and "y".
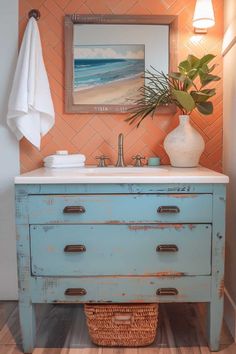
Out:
{"x": 204, "y": 14}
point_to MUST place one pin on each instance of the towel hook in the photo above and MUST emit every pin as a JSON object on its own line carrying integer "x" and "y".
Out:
{"x": 34, "y": 13}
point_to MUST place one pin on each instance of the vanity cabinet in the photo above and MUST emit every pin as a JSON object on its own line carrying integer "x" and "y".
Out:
{"x": 128, "y": 242}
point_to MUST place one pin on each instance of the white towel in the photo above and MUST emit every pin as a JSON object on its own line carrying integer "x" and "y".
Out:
{"x": 68, "y": 165}
{"x": 65, "y": 159}
{"x": 30, "y": 107}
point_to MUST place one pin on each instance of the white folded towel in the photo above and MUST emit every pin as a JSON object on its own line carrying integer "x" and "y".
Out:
{"x": 30, "y": 107}
{"x": 65, "y": 159}
{"x": 68, "y": 165}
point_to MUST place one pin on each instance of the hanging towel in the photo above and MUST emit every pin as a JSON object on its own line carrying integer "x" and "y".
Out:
{"x": 30, "y": 107}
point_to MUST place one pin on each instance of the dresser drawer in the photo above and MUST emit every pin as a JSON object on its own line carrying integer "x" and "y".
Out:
{"x": 121, "y": 289}
{"x": 120, "y": 208}
{"x": 97, "y": 250}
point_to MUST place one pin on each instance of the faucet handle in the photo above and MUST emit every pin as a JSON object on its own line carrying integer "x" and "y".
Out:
{"x": 102, "y": 160}
{"x": 138, "y": 160}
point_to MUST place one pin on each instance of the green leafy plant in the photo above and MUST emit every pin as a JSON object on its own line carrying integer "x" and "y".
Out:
{"x": 186, "y": 88}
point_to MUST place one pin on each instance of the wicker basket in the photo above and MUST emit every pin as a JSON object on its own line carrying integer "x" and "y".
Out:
{"x": 129, "y": 325}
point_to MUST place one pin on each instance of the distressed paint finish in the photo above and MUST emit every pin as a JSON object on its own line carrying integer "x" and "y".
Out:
{"x": 119, "y": 250}
{"x": 122, "y": 289}
{"x": 199, "y": 244}
{"x": 34, "y": 189}
{"x": 26, "y": 307}
{"x": 215, "y": 307}
{"x": 123, "y": 208}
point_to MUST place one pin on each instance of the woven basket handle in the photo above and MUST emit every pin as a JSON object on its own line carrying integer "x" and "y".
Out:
{"x": 122, "y": 318}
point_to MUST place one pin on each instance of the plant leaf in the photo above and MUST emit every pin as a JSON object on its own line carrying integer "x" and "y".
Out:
{"x": 177, "y": 76}
{"x": 206, "y": 59}
{"x": 187, "y": 84}
{"x": 184, "y": 99}
{"x": 193, "y": 61}
{"x": 184, "y": 67}
{"x": 205, "y": 108}
{"x": 199, "y": 97}
{"x": 209, "y": 92}
{"x": 207, "y": 78}
{"x": 192, "y": 74}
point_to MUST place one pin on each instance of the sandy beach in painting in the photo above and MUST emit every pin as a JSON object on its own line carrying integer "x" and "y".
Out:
{"x": 118, "y": 92}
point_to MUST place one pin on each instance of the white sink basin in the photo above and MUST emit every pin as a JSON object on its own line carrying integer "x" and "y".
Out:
{"x": 137, "y": 171}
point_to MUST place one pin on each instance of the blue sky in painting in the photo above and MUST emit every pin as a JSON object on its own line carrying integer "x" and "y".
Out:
{"x": 128, "y": 51}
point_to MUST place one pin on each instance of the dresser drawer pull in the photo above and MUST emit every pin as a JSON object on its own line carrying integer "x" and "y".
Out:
{"x": 74, "y": 248}
{"x": 171, "y": 209}
{"x": 167, "y": 248}
{"x": 167, "y": 291}
{"x": 75, "y": 292}
{"x": 74, "y": 209}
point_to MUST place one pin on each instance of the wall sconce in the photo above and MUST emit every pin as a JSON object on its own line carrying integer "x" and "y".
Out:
{"x": 203, "y": 17}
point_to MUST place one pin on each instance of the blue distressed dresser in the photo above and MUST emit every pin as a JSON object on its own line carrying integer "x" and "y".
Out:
{"x": 83, "y": 237}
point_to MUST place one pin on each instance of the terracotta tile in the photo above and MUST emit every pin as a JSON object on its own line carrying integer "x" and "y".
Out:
{"x": 84, "y": 10}
{"x": 63, "y": 3}
{"x": 53, "y": 7}
{"x": 132, "y": 137}
{"x": 99, "y": 7}
{"x": 101, "y": 127}
{"x": 49, "y": 37}
{"x": 124, "y": 6}
{"x": 216, "y": 156}
{"x": 46, "y": 140}
{"x": 51, "y": 149}
{"x": 94, "y": 140}
{"x": 54, "y": 71}
{"x": 85, "y": 134}
{"x": 55, "y": 24}
{"x": 65, "y": 128}
{"x": 78, "y": 121}
{"x": 138, "y": 9}
{"x": 111, "y": 4}
{"x": 214, "y": 142}
{"x": 168, "y": 3}
{"x": 56, "y": 87}
{"x": 51, "y": 55}
{"x": 73, "y": 6}
{"x": 154, "y": 7}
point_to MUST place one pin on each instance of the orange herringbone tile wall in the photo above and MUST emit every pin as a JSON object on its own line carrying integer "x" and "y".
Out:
{"x": 96, "y": 134}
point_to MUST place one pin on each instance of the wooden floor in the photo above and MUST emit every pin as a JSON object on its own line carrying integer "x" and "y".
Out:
{"x": 62, "y": 330}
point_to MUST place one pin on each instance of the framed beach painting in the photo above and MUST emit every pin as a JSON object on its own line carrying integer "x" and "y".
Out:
{"x": 106, "y": 57}
{"x": 107, "y": 74}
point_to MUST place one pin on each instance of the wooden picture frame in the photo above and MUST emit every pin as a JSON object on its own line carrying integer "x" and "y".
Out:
{"x": 71, "y": 20}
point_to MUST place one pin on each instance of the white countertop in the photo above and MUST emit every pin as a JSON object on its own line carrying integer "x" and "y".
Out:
{"x": 91, "y": 174}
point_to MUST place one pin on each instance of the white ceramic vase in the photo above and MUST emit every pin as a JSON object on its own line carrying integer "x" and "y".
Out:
{"x": 184, "y": 145}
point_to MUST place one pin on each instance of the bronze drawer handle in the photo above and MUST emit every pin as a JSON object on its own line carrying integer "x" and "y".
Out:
{"x": 168, "y": 209}
{"x": 75, "y": 292}
{"x": 167, "y": 248}
{"x": 74, "y": 248}
{"x": 167, "y": 291}
{"x": 70, "y": 209}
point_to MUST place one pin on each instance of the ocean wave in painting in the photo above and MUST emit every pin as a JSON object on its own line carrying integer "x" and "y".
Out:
{"x": 89, "y": 73}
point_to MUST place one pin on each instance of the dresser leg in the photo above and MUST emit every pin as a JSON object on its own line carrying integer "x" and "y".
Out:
{"x": 214, "y": 323}
{"x": 28, "y": 325}
{"x": 215, "y": 307}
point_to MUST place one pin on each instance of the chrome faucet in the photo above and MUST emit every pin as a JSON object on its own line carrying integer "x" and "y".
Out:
{"x": 120, "y": 160}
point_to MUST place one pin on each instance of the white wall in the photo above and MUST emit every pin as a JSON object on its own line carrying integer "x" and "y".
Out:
{"x": 9, "y": 151}
{"x": 229, "y": 162}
